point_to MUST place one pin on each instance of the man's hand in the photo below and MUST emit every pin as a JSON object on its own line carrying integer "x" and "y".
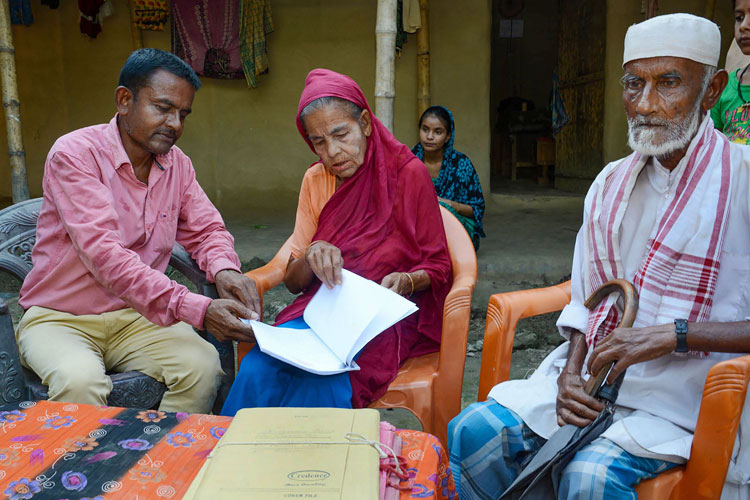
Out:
{"x": 222, "y": 320}
{"x": 326, "y": 262}
{"x": 628, "y": 346}
{"x": 233, "y": 285}
{"x": 574, "y": 406}
{"x": 399, "y": 283}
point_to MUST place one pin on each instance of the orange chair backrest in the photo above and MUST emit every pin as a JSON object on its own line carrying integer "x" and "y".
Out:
{"x": 457, "y": 310}
{"x": 463, "y": 256}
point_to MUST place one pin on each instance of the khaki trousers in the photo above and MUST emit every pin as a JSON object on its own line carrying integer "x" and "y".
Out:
{"x": 71, "y": 354}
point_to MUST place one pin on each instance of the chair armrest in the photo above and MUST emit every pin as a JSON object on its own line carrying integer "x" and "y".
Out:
{"x": 455, "y": 331}
{"x": 182, "y": 262}
{"x": 719, "y": 417}
{"x": 272, "y": 274}
{"x": 11, "y": 373}
{"x": 15, "y": 254}
{"x": 503, "y": 312}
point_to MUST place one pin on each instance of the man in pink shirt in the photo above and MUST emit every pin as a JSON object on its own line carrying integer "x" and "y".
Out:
{"x": 116, "y": 198}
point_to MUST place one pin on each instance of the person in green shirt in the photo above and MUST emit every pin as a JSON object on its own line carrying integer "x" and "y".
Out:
{"x": 731, "y": 114}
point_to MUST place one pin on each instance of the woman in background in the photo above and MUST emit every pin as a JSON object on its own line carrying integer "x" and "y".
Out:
{"x": 453, "y": 175}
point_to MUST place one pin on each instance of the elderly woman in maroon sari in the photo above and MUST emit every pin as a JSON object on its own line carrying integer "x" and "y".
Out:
{"x": 368, "y": 206}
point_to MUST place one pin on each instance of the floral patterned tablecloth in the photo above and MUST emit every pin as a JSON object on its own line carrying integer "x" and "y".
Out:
{"x": 52, "y": 450}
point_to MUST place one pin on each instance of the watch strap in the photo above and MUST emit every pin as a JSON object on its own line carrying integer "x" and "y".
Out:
{"x": 680, "y": 330}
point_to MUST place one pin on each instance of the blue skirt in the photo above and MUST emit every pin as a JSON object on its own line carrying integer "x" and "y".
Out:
{"x": 263, "y": 381}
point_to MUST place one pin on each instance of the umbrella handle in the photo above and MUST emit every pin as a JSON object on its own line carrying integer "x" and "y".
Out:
{"x": 630, "y": 297}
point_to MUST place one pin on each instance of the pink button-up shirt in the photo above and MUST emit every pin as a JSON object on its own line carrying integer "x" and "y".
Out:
{"x": 104, "y": 238}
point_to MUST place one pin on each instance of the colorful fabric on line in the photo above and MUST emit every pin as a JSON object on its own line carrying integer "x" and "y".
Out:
{"x": 20, "y": 12}
{"x": 731, "y": 115}
{"x": 150, "y": 14}
{"x": 678, "y": 275}
{"x": 205, "y": 34}
{"x": 64, "y": 450}
{"x": 385, "y": 218}
{"x": 255, "y": 23}
{"x": 458, "y": 181}
{"x": 490, "y": 444}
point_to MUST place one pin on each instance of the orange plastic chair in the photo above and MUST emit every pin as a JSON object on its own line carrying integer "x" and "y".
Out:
{"x": 429, "y": 386}
{"x": 718, "y": 420}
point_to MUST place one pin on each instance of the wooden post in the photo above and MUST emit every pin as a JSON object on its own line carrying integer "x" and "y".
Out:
{"x": 710, "y": 4}
{"x": 20, "y": 185}
{"x": 135, "y": 32}
{"x": 385, "y": 64}
{"x": 423, "y": 59}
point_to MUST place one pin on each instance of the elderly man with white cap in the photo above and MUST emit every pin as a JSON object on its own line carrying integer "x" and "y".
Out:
{"x": 674, "y": 219}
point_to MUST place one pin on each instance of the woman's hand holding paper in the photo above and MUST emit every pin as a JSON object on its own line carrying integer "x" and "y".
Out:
{"x": 326, "y": 262}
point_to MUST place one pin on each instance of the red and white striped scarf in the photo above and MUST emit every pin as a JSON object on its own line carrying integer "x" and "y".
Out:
{"x": 677, "y": 277}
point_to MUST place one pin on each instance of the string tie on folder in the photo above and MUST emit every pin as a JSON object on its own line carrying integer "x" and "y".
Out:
{"x": 353, "y": 438}
{"x": 383, "y": 449}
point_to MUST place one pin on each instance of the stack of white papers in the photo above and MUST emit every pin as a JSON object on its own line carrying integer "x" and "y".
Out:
{"x": 342, "y": 321}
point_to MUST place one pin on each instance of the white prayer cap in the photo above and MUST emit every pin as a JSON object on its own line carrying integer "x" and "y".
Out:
{"x": 675, "y": 35}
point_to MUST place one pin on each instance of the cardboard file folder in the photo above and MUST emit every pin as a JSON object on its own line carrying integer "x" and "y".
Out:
{"x": 291, "y": 453}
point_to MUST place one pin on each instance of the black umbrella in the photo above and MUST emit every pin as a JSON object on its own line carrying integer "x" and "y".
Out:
{"x": 540, "y": 478}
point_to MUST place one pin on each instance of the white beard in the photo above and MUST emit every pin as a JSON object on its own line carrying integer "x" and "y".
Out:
{"x": 679, "y": 135}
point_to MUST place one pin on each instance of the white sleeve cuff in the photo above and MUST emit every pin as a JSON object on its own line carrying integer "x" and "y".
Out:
{"x": 573, "y": 317}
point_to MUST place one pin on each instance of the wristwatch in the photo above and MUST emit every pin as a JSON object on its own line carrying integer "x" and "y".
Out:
{"x": 680, "y": 329}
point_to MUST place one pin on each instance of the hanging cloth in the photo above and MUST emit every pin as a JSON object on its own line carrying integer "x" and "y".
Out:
{"x": 400, "y": 33}
{"x": 408, "y": 20}
{"x": 255, "y": 23}
{"x": 411, "y": 16}
{"x": 150, "y": 14}
{"x": 92, "y": 13}
{"x": 560, "y": 116}
{"x": 204, "y": 35}
{"x": 20, "y": 12}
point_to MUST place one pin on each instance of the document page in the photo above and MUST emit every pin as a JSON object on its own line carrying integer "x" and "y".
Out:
{"x": 339, "y": 315}
{"x": 390, "y": 308}
{"x": 300, "y": 348}
{"x": 347, "y": 317}
{"x": 342, "y": 321}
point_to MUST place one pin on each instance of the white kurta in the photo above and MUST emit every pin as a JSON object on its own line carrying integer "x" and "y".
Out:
{"x": 659, "y": 399}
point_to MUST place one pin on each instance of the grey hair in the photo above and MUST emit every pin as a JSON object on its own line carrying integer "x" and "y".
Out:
{"x": 325, "y": 101}
{"x": 708, "y": 73}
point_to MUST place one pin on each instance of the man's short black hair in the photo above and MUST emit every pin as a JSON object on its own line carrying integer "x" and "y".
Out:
{"x": 137, "y": 70}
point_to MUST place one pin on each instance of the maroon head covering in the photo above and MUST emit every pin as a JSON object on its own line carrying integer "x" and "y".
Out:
{"x": 385, "y": 218}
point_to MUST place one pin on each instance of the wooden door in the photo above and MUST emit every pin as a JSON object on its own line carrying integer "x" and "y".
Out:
{"x": 583, "y": 30}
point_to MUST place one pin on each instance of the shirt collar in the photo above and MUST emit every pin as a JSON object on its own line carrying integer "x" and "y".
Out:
{"x": 163, "y": 162}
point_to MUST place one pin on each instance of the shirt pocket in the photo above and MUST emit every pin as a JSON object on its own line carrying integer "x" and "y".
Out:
{"x": 165, "y": 231}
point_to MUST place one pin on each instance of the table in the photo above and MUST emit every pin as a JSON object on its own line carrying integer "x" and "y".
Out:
{"x": 53, "y": 450}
